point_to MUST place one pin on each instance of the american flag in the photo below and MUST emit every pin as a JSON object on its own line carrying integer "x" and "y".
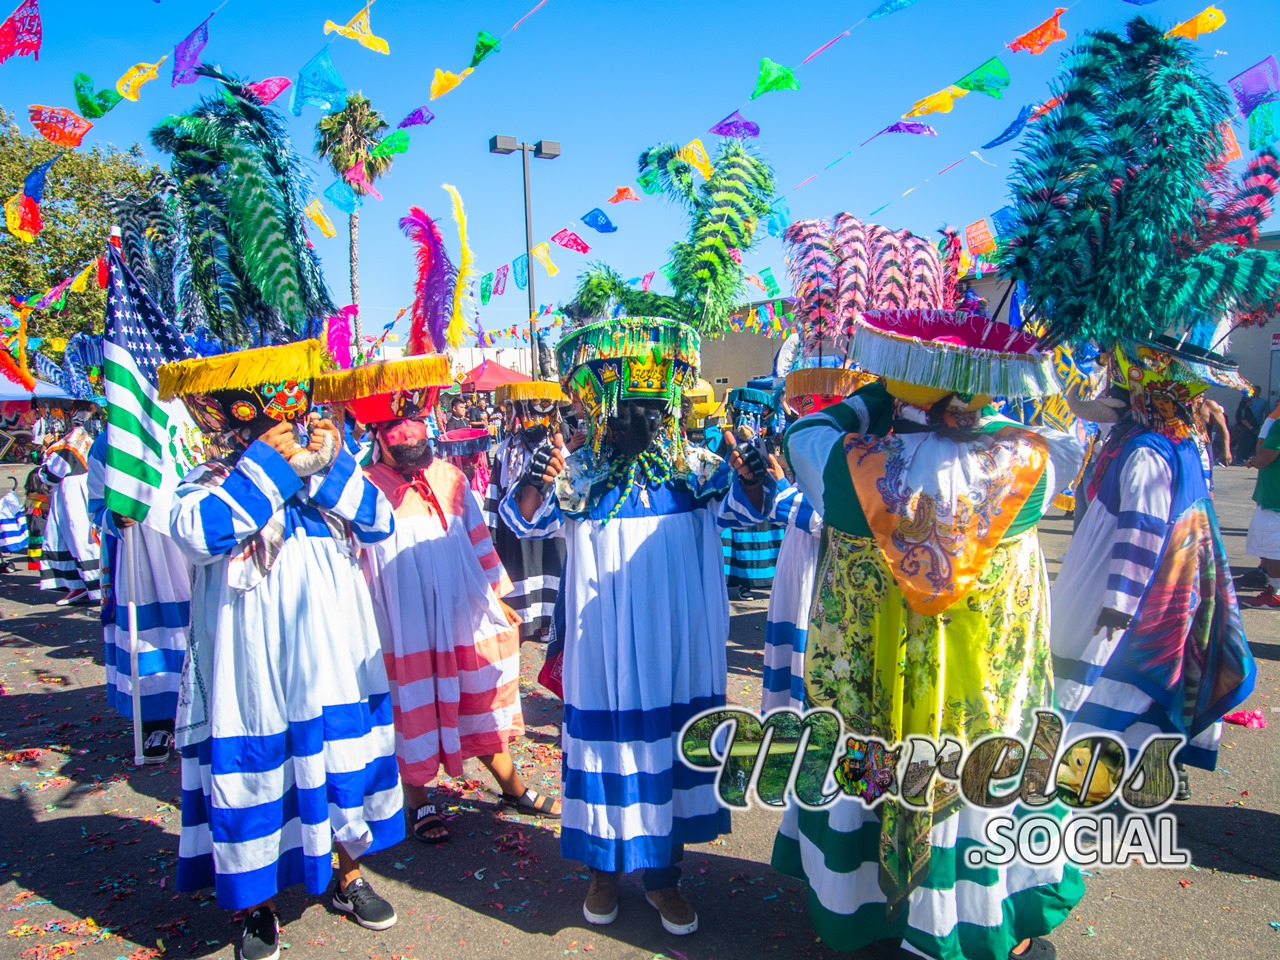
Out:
{"x": 150, "y": 444}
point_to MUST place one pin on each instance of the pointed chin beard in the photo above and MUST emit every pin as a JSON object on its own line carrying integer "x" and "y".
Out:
{"x": 412, "y": 457}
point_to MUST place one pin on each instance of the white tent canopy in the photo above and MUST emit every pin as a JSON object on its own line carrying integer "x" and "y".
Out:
{"x": 44, "y": 391}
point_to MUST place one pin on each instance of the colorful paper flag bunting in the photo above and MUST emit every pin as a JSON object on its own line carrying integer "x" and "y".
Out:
{"x": 776, "y": 224}
{"x": 81, "y": 282}
{"x": 991, "y": 78}
{"x": 520, "y": 270}
{"x": 888, "y": 7}
{"x": 58, "y": 124}
{"x": 755, "y": 280}
{"x": 695, "y": 154}
{"x": 1206, "y": 21}
{"x": 598, "y": 221}
{"x": 1005, "y": 220}
{"x": 358, "y": 29}
{"x": 904, "y": 126}
{"x": 56, "y": 296}
{"x": 977, "y": 236}
{"x": 395, "y": 142}
{"x": 1012, "y": 131}
{"x": 941, "y": 102}
{"x": 668, "y": 270}
{"x": 132, "y": 80}
{"x": 623, "y": 193}
{"x": 418, "y": 117}
{"x": 1258, "y": 85}
{"x": 486, "y": 289}
{"x": 771, "y": 288}
{"x": 270, "y": 88}
{"x": 318, "y": 85}
{"x": 91, "y": 104}
{"x": 1230, "y": 145}
{"x": 321, "y": 219}
{"x": 500, "y": 280}
{"x": 444, "y": 81}
{"x": 774, "y": 76}
{"x": 1045, "y": 107}
{"x": 356, "y": 175}
{"x": 570, "y": 241}
{"x": 647, "y": 280}
{"x": 1264, "y": 122}
{"x": 21, "y": 33}
{"x": 186, "y": 55}
{"x": 542, "y": 253}
{"x": 486, "y": 43}
{"x": 825, "y": 47}
{"x": 22, "y": 217}
{"x": 649, "y": 182}
{"x": 736, "y": 125}
{"x": 340, "y": 194}
{"x": 1038, "y": 39}
{"x": 33, "y": 185}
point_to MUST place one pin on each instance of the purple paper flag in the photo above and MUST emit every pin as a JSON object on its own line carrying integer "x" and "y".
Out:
{"x": 1258, "y": 85}
{"x": 1139, "y": 3}
{"x": 736, "y": 125}
{"x": 904, "y": 126}
{"x": 1011, "y": 132}
{"x": 186, "y": 55}
{"x": 418, "y": 117}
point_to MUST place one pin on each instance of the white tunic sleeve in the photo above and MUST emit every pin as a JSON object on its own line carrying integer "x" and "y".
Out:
{"x": 1146, "y": 485}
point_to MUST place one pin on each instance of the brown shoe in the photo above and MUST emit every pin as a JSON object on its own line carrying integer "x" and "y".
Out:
{"x": 601, "y": 905}
{"x": 678, "y": 916}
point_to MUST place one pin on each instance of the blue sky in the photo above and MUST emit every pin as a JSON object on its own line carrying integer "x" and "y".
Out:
{"x": 608, "y": 79}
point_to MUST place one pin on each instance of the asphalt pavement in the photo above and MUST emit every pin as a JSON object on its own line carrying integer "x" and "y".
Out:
{"x": 88, "y": 842}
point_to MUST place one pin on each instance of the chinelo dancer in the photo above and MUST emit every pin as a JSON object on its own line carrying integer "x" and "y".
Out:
{"x": 1147, "y": 635}
{"x": 646, "y": 608}
{"x": 285, "y": 716}
{"x": 71, "y": 557}
{"x": 532, "y": 419}
{"x": 450, "y": 643}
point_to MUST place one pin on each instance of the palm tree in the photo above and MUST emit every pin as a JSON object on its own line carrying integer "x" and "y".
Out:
{"x": 346, "y": 138}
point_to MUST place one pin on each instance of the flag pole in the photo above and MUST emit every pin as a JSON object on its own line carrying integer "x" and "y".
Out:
{"x": 135, "y": 684}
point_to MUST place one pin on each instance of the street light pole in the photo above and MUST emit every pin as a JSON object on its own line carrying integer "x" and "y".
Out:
{"x": 543, "y": 150}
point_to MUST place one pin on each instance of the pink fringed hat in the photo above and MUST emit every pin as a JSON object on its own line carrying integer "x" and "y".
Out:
{"x": 953, "y": 351}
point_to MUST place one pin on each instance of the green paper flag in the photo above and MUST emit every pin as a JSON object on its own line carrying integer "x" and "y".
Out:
{"x": 774, "y": 76}
{"x": 486, "y": 289}
{"x": 486, "y": 43}
{"x": 1263, "y": 125}
{"x": 649, "y": 182}
{"x": 991, "y": 78}
{"x": 771, "y": 288}
{"x": 668, "y": 270}
{"x": 93, "y": 105}
{"x": 397, "y": 142}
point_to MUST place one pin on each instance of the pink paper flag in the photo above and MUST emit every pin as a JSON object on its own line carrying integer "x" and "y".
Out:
{"x": 268, "y": 89}
{"x": 356, "y": 175}
{"x": 826, "y": 46}
{"x": 647, "y": 280}
{"x": 571, "y": 241}
{"x": 500, "y": 280}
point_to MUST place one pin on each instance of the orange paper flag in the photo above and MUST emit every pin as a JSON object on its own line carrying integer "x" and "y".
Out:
{"x": 623, "y": 193}
{"x": 58, "y": 124}
{"x": 1207, "y": 21}
{"x": 979, "y": 239}
{"x": 1230, "y": 145}
{"x": 1037, "y": 40}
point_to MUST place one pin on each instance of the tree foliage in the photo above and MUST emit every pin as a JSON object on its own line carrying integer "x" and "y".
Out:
{"x": 77, "y": 222}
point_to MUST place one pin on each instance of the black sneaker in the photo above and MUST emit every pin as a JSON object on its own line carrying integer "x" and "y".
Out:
{"x": 157, "y": 746}
{"x": 366, "y": 907}
{"x": 260, "y": 939}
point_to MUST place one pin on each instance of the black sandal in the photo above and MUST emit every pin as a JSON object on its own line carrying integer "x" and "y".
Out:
{"x": 1037, "y": 949}
{"x": 427, "y": 817}
{"x": 532, "y": 803}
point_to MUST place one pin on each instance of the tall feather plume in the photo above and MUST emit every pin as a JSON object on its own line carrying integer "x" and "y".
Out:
{"x": 924, "y": 286}
{"x": 853, "y": 266}
{"x": 434, "y": 286}
{"x": 812, "y": 268}
{"x": 459, "y": 328}
{"x": 888, "y": 268}
{"x": 950, "y": 255}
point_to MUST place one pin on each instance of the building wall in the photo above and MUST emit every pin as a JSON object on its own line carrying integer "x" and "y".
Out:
{"x": 730, "y": 361}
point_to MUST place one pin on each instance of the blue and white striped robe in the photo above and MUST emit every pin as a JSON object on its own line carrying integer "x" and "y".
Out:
{"x": 646, "y": 629}
{"x": 787, "y": 623}
{"x": 284, "y": 719}
{"x": 163, "y": 606}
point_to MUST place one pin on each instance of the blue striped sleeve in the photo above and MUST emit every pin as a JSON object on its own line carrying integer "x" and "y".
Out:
{"x": 736, "y": 510}
{"x": 1141, "y": 526}
{"x": 208, "y": 522}
{"x": 343, "y": 490}
{"x": 546, "y": 523}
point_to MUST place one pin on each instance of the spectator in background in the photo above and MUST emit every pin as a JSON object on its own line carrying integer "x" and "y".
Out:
{"x": 1245, "y": 434}
{"x": 459, "y": 417}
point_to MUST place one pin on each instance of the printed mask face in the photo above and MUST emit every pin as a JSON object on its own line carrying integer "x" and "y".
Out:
{"x": 408, "y": 443}
{"x": 285, "y": 400}
{"x": 636, "y": 426}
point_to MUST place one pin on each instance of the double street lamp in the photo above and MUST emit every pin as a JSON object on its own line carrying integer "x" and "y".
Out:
{"x": 543, "y": 150}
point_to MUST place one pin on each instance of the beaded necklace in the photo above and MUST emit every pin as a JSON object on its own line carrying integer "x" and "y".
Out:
{"x": 651, "y": 468}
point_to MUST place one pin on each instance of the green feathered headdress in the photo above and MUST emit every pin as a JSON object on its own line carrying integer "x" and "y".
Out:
{"x": 1110, "y": 193}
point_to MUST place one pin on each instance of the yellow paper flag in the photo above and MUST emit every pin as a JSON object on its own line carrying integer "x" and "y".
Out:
{"x": 695, "y": 154}
{"x": 129, "y": 84}
{"x": 940, "y": 102}
{"x": 358, "y": 29}
{"x": 543, "y": 253}
{"x": 444, "y": 81}
{"x": 13, "y": 218}
{"x": 320, "y": 218}
{"x": 1207, "y": 21}
{"x": 81, "y": 283}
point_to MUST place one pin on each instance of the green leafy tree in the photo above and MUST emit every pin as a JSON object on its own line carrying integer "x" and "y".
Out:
{"x": 344, "y": 139}
{"x": 77, "y": 222}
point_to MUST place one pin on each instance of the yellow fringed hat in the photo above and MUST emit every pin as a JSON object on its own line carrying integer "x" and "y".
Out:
{"x": 548, "y": 391}
{"x": 247, "y": 389}
{"x": 812, "y": 388}
{"x": 386, "y": 389}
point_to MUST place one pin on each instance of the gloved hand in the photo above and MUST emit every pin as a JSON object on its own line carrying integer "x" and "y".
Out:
{"x": 544, "y": 466}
